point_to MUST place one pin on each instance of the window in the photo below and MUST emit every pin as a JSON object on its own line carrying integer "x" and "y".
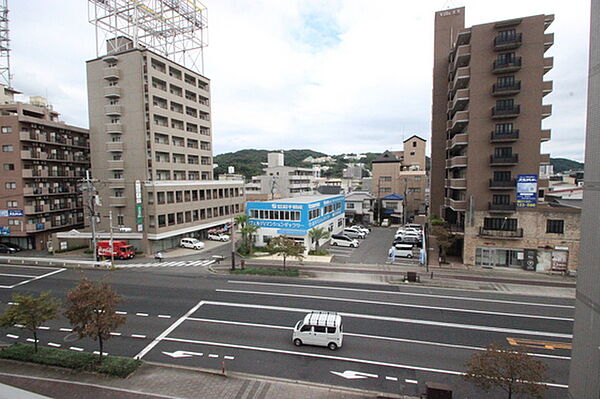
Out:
{"x": 349, "y": 205}
{"x": 506, "y": 58}
{"x": 504, "y": 128}
{"x": 503, "y": 224}
{"x": 506, "y": 35}
{"x": 340, "y": 222}
{"x": 502, "y": 176}
{"x": 501, "y": 199}
{"x": 7, "y": 148}
{"x": 414, "y": 144}
{"x": 118, "y": 193}
{"x": 555, "y": 226}
{"x": 385, "y": 178}
{"x": 162, "y": 222}
{"x": 9, "y": 166}
{"x": 505, "y": 81}
{"x": 320, "y": 329}
{"x": 305, "y": 328}
{"x": 10, "y": 185}
{"x": 330, "y": 330}
{"x": 505, "y": 104}
{"x": 13, "y": 222}
{"x": 503, "y": 152}
{"x": 120, "y": 220}
{"x": 6, "y": 129}
{"x": 12, "y": 204}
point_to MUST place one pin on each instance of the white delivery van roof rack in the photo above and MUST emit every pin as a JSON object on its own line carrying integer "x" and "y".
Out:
{"x": 326, "y": 319}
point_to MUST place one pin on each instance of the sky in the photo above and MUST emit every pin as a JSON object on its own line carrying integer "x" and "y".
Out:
{"x": 335, "y": 76}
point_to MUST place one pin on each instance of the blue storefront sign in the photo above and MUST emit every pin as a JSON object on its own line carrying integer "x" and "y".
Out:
{"x": 4, "y": 231}
{"x": 527, "y": 191}
{"x": 10, "y": 213}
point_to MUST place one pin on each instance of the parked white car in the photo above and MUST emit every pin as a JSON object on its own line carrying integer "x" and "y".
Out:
{"x": 385, "y": 223}
{"x": 407, "y": 233}
{"x": 192, "y": 243}
{"x": 343, "y": 240}
{"x": 218, "y": 237}
{"x": 360, "y": 228}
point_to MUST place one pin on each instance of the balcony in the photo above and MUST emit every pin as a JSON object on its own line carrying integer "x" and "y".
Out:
{"x": 114, "y": 146}
{"x": 38, "y": 155}
{"x": 500, "y": 113}
{"x": 546, "y": 110}
{"x": 503, "y": 184}
{"x": 457, "y": 162}
{"x": 114, "y": 128}
{"x": 501, "y": 137}
{"x": 458, "y": 122}
{"x": 507, "y": 66}
{"x": 118, "y": 202}
{"x": 34, "y": 173}
{"x": 502, "y": 208}
{"x": 459, "y": 140}
{"x": 116, "y": 164}
{"x": 459, "y": 57}
{"x": 112, "y": 92}
{"x": 504, "y": 160}
{"x": 503, "y": 234}
{"x": 547, "y": 87}
{"x": 546, "y": 134}
{"x": 33, "y": 191}
{"x": 456, "y": 205}
{"x": 548, "y": 40}
{"x": 33, "y": 227}
{"x": 112, "y": 110}
{"x": 31, "y": 209}
{"x": 506, "y": 90}
{"x": 548, "y": 64}
{"x": 459, "y": 79}
{"x": 112, "y": 73}
{"x": 460, "y": 184}
{"x": 460, "y": 100}
{"x": 502, "y": 43}
{"x": 545, "y": 159}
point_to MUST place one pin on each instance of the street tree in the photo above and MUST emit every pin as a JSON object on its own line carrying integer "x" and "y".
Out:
{"x": 30, "y": 312}
{"x": 241, "y": 219}
{"x": 444, "y": 238}
{"x": 248, "y": 235}
{"x": 316, "y": 234}
{"x": 286, "y": 247}
{"x": 513, "y": 371}
{"x": 91, "y": 307}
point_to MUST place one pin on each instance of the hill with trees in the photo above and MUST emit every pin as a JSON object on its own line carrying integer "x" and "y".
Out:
{"x": 564, "y": 164}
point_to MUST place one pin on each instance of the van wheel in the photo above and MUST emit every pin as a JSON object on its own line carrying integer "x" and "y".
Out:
{"x": 334, "y": 244}
{"x": 297, "y": 342}
{"x": 332, "y": 346}
{"x": 354, "y": 246}
{"x": 409, "y": 256}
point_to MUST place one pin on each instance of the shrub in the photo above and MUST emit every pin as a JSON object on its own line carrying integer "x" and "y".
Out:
{"x": 266, "y": 271}
{"x": 112, "y": 365}
{"x": 320, "y": 252}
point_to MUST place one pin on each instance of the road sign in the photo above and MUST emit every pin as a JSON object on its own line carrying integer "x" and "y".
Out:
{"x": 354, "y": 375}
{"x": 179, "y": 354}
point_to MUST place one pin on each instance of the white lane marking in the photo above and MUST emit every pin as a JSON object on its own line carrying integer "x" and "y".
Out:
{"x": 403, "y": 320}
{"x": 44, "y": 327}
{"x": 180, "y": 354}
{"x": 142, "y": 314}
{"x": 164, "y": 316}
{"x": 213, "y": 355}
{"x": 415, "y": 294}
{"x": 37, "y": 277}
{"x": 341, "y": 255}
{"x": 19, "y": 325}
{"x": 15, "y": 265}
{"x": 403, "y": 305}
{"x": 354, "y": 375}
{"x": 98, "y": 352}
{"x": 17, "y": 275}
{"x": 31, "y": 340}
{"x": 12, "y": 336}
{"x": 416, "y": 382}
{"x": 167, "y": 331}
{"x": 229, "y": 357}
{"x": 13, "y": 303}
{"x": 331, "y": 357}
{"x": 65, "y": 329}
{"x": 383, "y": 338}
{"x": 75, "y": 348}
{"x": 54, "y": 345}
{"x": 120, "y": 312}
{"x": 391, "y": 378}
{"x": 138, "y": 336}
{"x": 116, "y": 334}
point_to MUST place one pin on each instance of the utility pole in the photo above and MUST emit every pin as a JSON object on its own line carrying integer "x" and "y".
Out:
{"x": 112, "y": 251}
{"x": 232, "y": 244}
{"x": 91, "y": 199}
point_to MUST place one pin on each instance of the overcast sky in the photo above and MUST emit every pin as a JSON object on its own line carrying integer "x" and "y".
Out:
{"x": 333, "y": 76}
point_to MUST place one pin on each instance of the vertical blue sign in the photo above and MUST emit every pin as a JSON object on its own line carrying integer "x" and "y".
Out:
{"x": 527, "y": 191}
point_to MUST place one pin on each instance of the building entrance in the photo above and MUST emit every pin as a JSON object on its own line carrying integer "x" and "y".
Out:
{"x": 499, "y": 257}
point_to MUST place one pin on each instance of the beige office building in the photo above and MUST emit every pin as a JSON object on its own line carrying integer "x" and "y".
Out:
{"x": 151, "y": 142}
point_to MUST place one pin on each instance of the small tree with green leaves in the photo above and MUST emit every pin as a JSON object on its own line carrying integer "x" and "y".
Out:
{"x": 248, "y": 236}
{"x": 513, "y": 371}
{"x": 286, "y": 247}
{"x": 316, "y": 234}
{"x": 241, "y": 219}
{"x": 30, "y": 312}
{"x": 444, "y": 238}
{"x": 91, "y": 310}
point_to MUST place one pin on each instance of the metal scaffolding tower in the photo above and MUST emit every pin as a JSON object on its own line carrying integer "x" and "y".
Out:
{"x": 4, "y": 45}
{"x": 176, "y": 29}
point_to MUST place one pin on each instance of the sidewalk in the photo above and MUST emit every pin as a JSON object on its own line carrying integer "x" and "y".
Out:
{"x": 155, "y": 381}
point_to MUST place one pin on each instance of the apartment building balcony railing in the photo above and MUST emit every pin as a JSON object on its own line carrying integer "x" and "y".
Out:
{"x": 460, "y": 56}
{"x": 548, "y": 63}
{"x": 502, "y": 208}
{"x": 504, "y": 234}
{"x": 459, "y": 101}
{"x": 118, "y": 202}
{"x": 547, "y": 87}
{"x": 114, "y": 128}
{"x": 116, "y": 164}
{"x": 112, "y": 110}
{"x": 499, "y": 113}
{"x": 33, "y": 191}
{"x": 456, "y": 183}
{"x": 458, "y": 122}
{"x": 546, "y": 134}
{"x": 507, "y": 66}
{"x": 545, "y": 159}
{"x": 502, "y": 43}
{"x": 112, "y": 73}
{"x": 33, "y": 227}
{"x": 546, "y": 110}
{"x": 38, "y": 155}
{"x": 502, "y": 184}
{"x": 504, "y": 160}
{"x": 506, "y": 90}
{"x": 34, "y": 173}
{"x": 459, "y": 79}
{"x": 459, "y": 161}
{"x": 31, "y": 209}
{"x": 504, "y": 137}
{"x": 112, "y": 92}
{"x": 548, "y": 40}
{"x": 457, "y": 205}
{"x": 458, "y": 140}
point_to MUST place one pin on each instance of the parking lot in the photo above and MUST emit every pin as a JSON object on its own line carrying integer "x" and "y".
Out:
{"x": 372, "y": 250}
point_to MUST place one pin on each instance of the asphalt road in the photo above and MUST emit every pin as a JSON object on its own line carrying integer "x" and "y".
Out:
{"x": 398, "y": 337}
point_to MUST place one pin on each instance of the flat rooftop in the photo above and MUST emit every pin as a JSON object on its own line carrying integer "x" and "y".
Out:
{"x": 306, "y": 199}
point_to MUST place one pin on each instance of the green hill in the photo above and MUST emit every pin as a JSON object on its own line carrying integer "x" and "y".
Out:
{"x": 563, "y": 164}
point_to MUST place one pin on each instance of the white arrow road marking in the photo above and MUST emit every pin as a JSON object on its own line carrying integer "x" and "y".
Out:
{"x": 354, "y": 375}
{"x": 179, "y": 354}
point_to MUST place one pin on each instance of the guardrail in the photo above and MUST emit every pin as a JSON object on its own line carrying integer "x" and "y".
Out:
{"x": 52, "y": 261}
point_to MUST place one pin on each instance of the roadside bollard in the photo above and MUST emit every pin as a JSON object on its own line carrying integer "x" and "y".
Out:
{"x": 223, "y": 367}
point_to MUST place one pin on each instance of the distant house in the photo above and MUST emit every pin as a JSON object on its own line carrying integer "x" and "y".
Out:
{"x": 359, "y": 207}
{"x": 392, "y": 207}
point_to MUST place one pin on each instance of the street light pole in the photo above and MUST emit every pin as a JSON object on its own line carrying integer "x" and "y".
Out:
{"x": 232, "y": 244}
{"x": 112, "y": 251}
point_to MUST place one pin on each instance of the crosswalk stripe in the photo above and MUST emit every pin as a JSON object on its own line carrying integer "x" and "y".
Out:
{"x": 202, "y": 262}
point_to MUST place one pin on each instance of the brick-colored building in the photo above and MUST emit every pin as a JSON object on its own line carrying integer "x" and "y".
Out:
{"x": 43, "y": 161}
{"x": 487, "y": 113}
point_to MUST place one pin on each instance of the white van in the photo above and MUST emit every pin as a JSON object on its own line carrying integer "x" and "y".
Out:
{"x": 319, "y": 328}
{"x": 353, "y": 233}
{"x": 191, "y": 243}
{"x": 404, "y": 250}
{"x": 343, "y": 240}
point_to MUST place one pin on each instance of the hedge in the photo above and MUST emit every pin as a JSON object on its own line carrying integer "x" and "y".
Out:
{"x": 266, "y": 271}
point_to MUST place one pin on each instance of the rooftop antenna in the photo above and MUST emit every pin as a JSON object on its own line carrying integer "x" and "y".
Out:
{"x": 5, "y": 76}
{"x": 176, "y": 29}
{"x": 449, "y": 4}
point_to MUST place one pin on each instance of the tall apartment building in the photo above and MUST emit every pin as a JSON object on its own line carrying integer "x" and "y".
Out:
{"x": 584, "y": 375}
{"x": 151, "y": 142}
{"x": 280, "y": 181}
{"x": 488, "y": 92}
{"x": 403, "y": 173}
{"x": 43, "y": 161}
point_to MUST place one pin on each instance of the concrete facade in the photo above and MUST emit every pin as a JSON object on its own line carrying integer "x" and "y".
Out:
{"x": 43, "y": 162}
{"x": 281, "y": 181}
{"x": 584, "y": 376}
{"x": 151, "y": 140}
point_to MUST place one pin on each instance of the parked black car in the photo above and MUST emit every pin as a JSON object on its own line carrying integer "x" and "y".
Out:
{"x": 11, "y": 245}
{"x": 6, "y": 249}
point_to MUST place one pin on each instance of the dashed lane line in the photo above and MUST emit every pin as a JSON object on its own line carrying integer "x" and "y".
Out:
{"x": 120, "y": 312}
{"x": 164, "y": 316}
{"x": 138, "y": 336}
{"x": 142, "y": 314}
{"x": 416, "y": 382}
{"x": 229, "y": 357}
{"x": 55, "y": 345}
{"x": 65, "y": 329}
{"x": 12, "y": 336}
{"x": 213, "y": 355}
{"x": 75, "y": 348}
{"x": 391, "y": 378}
